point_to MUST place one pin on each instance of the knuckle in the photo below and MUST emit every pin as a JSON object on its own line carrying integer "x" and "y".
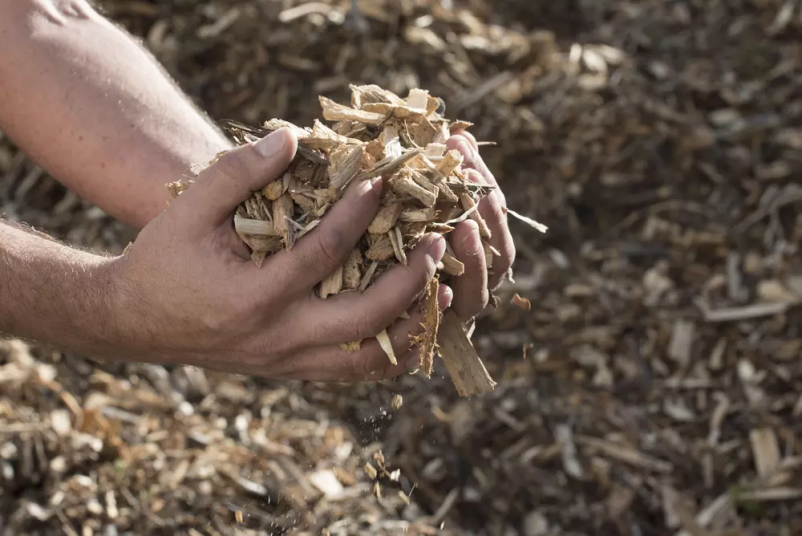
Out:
{"x": 330, "y": 247}
{"x": 360, "y": 363}
{"x": 366, "y": 326}
{"x": 234, "y": 164}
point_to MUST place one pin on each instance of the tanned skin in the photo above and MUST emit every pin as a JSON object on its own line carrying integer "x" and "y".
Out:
{"x": 89, "y": 104}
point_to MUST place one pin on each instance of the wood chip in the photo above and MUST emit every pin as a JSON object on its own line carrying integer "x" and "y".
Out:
{"x": 464, "y": 365}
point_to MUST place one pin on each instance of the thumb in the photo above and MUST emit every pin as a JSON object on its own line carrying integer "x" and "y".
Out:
{"x": 236, "y": 175}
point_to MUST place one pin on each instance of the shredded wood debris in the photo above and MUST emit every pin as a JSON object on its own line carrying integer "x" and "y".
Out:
{"x": 365, "y": 142}
{"x": 659, "y": 141}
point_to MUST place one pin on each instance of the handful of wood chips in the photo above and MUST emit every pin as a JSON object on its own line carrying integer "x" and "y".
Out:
{"x": 425, "y": 190}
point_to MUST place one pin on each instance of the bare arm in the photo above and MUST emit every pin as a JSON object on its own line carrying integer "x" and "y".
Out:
{"x": 91, "y": 106}
{"x": 187, "y": 292}
{"x": 54, "y": 294}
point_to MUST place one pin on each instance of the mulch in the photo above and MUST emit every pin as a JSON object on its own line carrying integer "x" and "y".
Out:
{"x": 652, "y": 387}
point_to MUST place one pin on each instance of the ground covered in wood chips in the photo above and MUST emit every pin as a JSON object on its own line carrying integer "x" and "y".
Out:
{"x": 652, "y": 388}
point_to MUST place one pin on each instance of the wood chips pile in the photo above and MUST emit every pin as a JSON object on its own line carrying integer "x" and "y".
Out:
{"x": 648, "y": 372}
{"x": 380, "y": 135}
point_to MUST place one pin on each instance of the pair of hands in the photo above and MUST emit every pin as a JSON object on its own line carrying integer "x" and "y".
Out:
{"x": 188, "y": 292}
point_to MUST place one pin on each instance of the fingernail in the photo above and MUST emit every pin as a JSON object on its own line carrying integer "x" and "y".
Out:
{"x": 413, "y": 364}
{"x": 444, "y": 297}
{"x": 467, "y": 151}
{"x": 437, "y": 248}
{"x": 272, "y": 144}
{"x": 376, "y": 184}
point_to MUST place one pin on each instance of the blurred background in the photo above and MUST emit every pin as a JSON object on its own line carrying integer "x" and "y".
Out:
{"x": 653, "y": 387}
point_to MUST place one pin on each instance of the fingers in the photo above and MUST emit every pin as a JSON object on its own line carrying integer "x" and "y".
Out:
{"x": 470, "y": 289}
{"x": 500, "y": 237}
{"x": 353, "y": 315}
{"x": 332, "y": 363}
{"x": 491, "y": 207}
{"x": 467, "y": 135}
{"x": 472, "y": 160}
{"x": 235, "y": 176}
{"x": 327, "y": 247}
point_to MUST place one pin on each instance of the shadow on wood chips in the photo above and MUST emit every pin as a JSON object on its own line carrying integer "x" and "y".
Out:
{"x": 653, "y": 387}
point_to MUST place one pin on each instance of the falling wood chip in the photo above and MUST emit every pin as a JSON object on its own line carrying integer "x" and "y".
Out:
{"x": 522, "y": 303}
{"x": 463, "y": 363}
{"x": 387, "y": 346}
{"x": 427, "y": 341}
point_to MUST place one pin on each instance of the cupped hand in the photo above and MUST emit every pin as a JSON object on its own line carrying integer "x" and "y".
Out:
{"x": 190, "y": 294}
{"x": 471, "y": 290}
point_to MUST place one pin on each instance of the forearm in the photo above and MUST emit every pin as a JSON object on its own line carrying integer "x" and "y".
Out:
{"x": 86, "y": 102}
{"x": 55, "y": 294}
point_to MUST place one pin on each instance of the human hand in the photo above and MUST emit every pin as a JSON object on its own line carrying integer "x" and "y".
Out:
{"x": 472, "y": 289}
{"x": 190, "y": 294}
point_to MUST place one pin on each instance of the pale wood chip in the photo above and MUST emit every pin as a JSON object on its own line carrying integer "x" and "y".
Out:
{"x": 381, "y": 248}
{"x": 402, "y": 184}
{"x": 386, "y": 218}
{"x": 368, "y": 277}
{"x": 468, "y": 203}
{"x": 451, "y": 161}
{"x": 345, "y": 164}
{"x": 625, "y": 453}
{"x": 283, "y": 211}
{"x": 418, "y": 98}
{"x": 765, "y": 449}
{"x": 274, "y": 189}
{"x": 387, "y": 346}
{"x": 351, "y": 273}
{"x": 464, "y": 365}
{"x": 333, "y": 111}
{"x": 364, "y": 94}
{"x": 679, "y": 348}
{"x": 418, "y": 214}
{"x": 333, "y": 284}
{"x": 391, "y": 141}
{"x": 451, "y": 265}
{"x": 245, "y": 226}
